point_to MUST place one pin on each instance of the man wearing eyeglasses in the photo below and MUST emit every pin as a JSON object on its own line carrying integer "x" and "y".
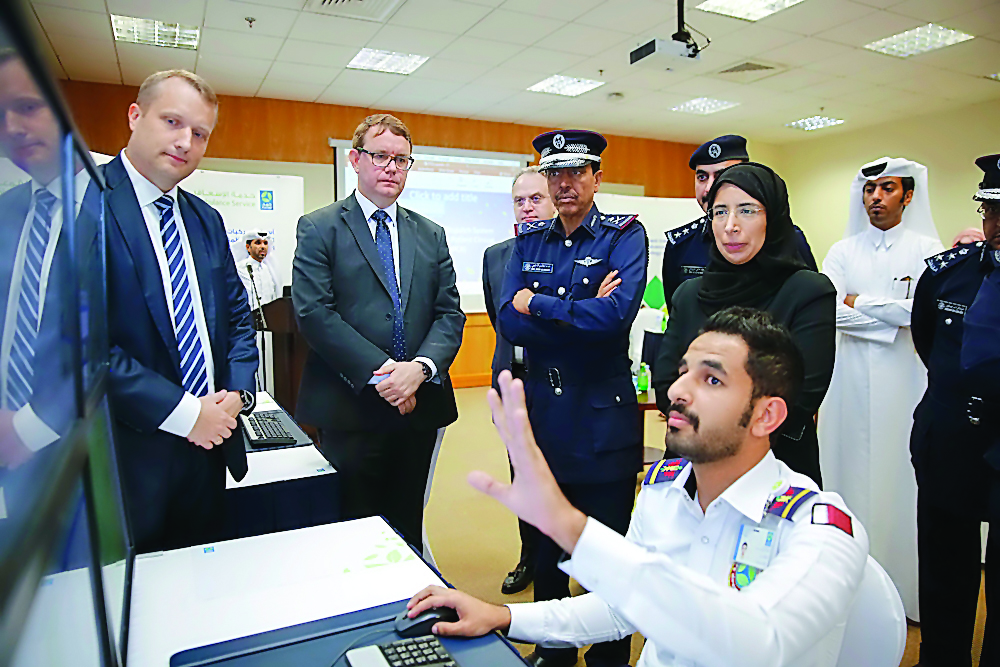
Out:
{"x": 373, "y": 288}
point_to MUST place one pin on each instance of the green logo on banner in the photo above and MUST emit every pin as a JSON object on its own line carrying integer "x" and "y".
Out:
{"x": 267, "y": 200}
{"x": 653, "y": 296}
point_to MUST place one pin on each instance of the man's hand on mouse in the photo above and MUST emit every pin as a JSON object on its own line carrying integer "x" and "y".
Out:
{"x": 475, "y": 617}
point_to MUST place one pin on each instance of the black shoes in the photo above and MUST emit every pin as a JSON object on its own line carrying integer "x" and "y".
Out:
{"x": 518, "y": 579}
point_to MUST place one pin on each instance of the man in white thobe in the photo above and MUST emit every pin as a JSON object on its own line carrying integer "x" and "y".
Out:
{"x": 866, "y": 419}
{"x": 256, "y": 272}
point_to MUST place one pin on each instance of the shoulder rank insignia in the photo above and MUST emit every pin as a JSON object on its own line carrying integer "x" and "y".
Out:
{"x": 618, "y": 221}
{"x": 941, "y": 261}
{"x": 664, "y": 470}
{"x": 523, "y": 228}
{"x": 675, "y": 236}
{"x": 786, "y": 503}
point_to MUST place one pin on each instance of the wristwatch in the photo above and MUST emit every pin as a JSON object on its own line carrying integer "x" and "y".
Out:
{"x": 249, "y": 401}
{"x": 428, "y": 373}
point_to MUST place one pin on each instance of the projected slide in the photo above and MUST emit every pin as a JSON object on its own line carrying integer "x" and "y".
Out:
{"x": 468, "y": 196}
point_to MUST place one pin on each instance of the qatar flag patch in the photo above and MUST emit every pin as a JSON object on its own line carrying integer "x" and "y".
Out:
{"x": 828, "y": 515}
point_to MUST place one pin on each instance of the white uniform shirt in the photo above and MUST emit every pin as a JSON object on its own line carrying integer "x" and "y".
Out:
{"x": 263, "y": 280}
{"x": 668, "y": 578}
{"x": 183, "y": 417}
{"x": 866, "y": 418}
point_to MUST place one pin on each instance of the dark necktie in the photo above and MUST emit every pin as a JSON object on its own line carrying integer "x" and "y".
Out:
{"x": 21, "y": 368}
{"x": 383, "y": 241}
{"x": 194, "y": 373}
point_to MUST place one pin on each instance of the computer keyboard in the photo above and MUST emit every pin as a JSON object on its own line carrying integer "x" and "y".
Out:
{"x": 265, "y": 429}
{"x": 423, "y": 651}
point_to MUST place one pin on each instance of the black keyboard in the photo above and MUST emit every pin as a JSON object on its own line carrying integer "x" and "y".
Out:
{"x": 265, "y": 429}
{"x": 423, "y": 651}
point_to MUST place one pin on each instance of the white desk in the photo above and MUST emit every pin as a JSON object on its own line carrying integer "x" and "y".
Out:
{"x": 203, "y": 595}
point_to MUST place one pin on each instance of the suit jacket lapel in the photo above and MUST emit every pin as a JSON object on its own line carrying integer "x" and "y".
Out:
{"x": 355, "y": 220}
{"x": 198, "y": 240}
{"x": 125, "y": 213}
{"x": 407, "y": 232}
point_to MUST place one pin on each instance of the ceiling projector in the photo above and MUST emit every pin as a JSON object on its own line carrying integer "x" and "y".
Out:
{"x": 666, "y": 54}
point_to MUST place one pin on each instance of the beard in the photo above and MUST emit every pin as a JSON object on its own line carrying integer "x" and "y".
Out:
{"x": 712, "y": 444}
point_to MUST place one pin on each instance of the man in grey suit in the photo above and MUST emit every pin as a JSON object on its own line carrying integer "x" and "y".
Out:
{"x": 373, "y": 288}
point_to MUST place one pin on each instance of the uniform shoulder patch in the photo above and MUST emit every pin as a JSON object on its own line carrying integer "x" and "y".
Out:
{"x": 618, "y": 221}
{"x": 523, "y": 228}
{"x": 664, "y": 470}
{"x": 786, "y": 503}
{"x": 676, "y": 236}
{"x": 824, "y": 514}
{"x": 943, "y": 260}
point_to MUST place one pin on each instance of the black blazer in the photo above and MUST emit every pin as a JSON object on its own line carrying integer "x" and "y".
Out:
{"x": 807, "y": 305}
{"x": 145, "y": 381}
{"x": 342, "y": 305}
{"x": 494, "y": 266}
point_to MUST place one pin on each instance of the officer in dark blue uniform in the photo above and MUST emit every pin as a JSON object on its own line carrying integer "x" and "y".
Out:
{"x": 955, "y": 329}
{"x": 685, "y": 255}
{"x": 581, "y": 401}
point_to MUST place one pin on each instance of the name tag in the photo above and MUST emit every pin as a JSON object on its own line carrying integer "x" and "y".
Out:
{"x": 952, "y": 307}
{"x": 755, "y": 546}
{"x": 537, "y": 267}
{"x": 692, "y": 270}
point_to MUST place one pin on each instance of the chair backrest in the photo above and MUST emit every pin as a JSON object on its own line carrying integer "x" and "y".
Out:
{"x": 875, "y": 635}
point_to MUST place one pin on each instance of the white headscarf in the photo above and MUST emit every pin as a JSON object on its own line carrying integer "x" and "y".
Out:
{"x": 917, "y": 215}
{"x": 240, "y": 253}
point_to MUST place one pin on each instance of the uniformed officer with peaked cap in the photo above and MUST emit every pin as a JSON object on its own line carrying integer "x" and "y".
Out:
{"x": 685, "y": 255}
{"x": 581, "y": 401}
{"x": 953, "y": 429}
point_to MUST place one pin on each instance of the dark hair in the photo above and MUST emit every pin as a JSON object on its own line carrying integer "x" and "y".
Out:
{"x": 774, "y": 361}
{"x": 908, "y": 184}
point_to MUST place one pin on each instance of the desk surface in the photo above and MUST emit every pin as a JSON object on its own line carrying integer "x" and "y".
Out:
{"x": 203, "y": 595}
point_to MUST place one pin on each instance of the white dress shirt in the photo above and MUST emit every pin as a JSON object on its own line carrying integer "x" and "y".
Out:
{"x": 30, "y": 428}
{"x": 368, "y": 208}
{"x": 669, "y": 578}
{"x": 263, "y": 280}
{"x": 183, "y": 417}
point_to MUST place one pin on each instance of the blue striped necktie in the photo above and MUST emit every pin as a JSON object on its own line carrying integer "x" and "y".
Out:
{"x": 21, "y": 368}
{"x": 194, "y": 375}
{"x": 383, "y": 241}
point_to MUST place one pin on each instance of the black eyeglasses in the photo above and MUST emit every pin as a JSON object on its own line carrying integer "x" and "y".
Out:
{"x": 381, "y": 160}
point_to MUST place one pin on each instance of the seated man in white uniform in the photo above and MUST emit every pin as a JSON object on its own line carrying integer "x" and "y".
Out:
{"x": 256, "y": 272}
{"x": 731, "y": 558}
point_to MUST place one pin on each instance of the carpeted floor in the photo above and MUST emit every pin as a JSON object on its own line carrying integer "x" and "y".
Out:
{"x": 475, "y": 540}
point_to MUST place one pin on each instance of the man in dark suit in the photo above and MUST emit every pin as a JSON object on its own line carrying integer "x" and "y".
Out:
{"x": 183, "y": 356}
{"x": 373, "y": 287}
{"x": 530, "y": 194}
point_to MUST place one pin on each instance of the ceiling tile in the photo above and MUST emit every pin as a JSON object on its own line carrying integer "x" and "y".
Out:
{"x": 792, "y": 80}
{"x": 625, "y": 16}
{"x": 186, "y": 12}
{"x": 333, "y": 30}
{"x": 713, "y": 25}
{"x": 648, "y": 80}
{"x": 583, "y": 39}
{"x": 564, "y": 10}
{"x": 42, "y": 40}
{"x": 754, "y": 39}
{"x": 809, "y": 18}
{"x": 842, "y": 87}
{"x": 976, "y": 56}
{"x": 410, "y": 40}
{"x": 873, "y": 27}
{"x": 805, "y": 51}
{"x": 138, "y": 61}
{"x": 514, "y": 27}
{"x": 862, "y": 64}
{"x": 82, "y": 69}
{"x": 937, "y": 11}
{"x": 483, "y": 51}
{"x": 88, "y": 59}
{"x": 474, "y": 97}
{"x": 984, "y": 21}
{"x": 237, "y": 87}
{"x": 945, "y": 84}
{"x": 536, "y": 61}
{"x": 356, "y": 87}
{"x": 87, "y": 5}
{"x": 224, "y": 42}
{"x": 416, "y": 96}
{"x": 281, "y": 4}
{"x": 314, "y": 53}
{"x": 440, "y": 15}
{"x": 289, "y": 90}
{"x": 299, "y": 73}
{"x": 87, "y": 25}
{"x": 486, "y": 3}
{"x": 230, "y": 15}
{"x": 450, "y": 70}
{"x": 218, "y": 68}
{"x": 517, "y": 78}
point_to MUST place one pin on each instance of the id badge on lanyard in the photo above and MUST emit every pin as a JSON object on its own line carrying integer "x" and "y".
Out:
{"x": 754, "y": 550}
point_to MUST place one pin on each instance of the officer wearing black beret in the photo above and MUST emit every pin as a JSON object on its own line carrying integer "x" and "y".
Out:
{"x": 572, "y": 289}
{"x": 685, "y": 255}
{"x": 956, "y": 331}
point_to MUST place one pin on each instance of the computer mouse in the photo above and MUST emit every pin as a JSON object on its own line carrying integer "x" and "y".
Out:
{"x": 422, "y": 623}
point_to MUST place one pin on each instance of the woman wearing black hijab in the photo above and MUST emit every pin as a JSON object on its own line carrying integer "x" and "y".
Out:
{"x": 754, "y": 263}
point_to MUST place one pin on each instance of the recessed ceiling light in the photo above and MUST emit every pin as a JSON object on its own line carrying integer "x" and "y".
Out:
{"x": 995, "y": 77}
{"x": 565, "y": 85}
{"x": 155, "y": 33}
{"x": 748, "y": 10}
{"x": 814, "y": 123}
{"x": 919, "y": 40}
{"x": 386, "y": 61}
{"x": 704, "y": 105}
